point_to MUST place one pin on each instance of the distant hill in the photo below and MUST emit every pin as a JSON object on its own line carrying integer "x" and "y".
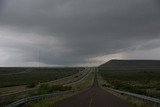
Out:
{"x": 131, "y": 63}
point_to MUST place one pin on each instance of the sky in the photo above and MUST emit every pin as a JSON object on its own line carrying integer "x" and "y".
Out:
{"x": 78, "y": 32}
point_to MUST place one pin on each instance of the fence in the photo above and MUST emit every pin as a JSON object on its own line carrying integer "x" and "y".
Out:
{"x": 38, "y": 97}
{"x": 155, "y": 101}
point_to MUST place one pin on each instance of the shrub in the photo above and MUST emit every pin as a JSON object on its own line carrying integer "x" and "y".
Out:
{"x": 31, "y": 85}
{"x": 76, "y": 76}
{"x": 46, "y": 88}
{"x": 105, "y": 85}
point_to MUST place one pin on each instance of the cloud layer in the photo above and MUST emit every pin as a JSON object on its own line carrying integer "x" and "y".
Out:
{"x": 76, "y": 32}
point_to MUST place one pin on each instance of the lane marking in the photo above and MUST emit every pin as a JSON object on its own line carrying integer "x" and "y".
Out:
{"x": 91, "y": 101}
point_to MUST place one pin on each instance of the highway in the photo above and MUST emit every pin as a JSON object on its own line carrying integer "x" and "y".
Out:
{"x": 93, "y": 97}
{"x": 62, "y": 81}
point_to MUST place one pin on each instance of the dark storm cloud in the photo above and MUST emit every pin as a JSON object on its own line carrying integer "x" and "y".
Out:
{"x": 85, "y": 28}
{"x": 2, "y": 3}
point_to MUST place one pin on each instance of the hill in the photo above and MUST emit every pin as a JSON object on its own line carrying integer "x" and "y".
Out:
{"x": 131, "y": 63}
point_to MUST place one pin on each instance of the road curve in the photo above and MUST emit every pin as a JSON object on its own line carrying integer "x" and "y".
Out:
{"x": 93, "y": 97}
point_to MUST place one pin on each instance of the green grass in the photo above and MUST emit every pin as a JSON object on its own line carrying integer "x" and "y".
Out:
{"x": 48, "y": 102}
{"x": 82, "y": 85}
{"x": 145, "y": 81}
{"x": 137, "y": 102}
{"x": 85, "y": 83}
{"x": 24, "y": 76}
{"x": 36, "y": 74}
{"x": 47, "y": 88}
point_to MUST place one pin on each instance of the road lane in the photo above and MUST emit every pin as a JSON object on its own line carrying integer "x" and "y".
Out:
{"x": 93, "y": 97}
{"x": 22, "y": 91}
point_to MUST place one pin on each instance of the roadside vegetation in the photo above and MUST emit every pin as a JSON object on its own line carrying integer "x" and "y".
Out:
{"x": 85, "y": 83}
{"x": 36, "y": 81}
{"x": 137, "y": 102}
{"x": 32, "y": 76}
{"x": 78, "y": 87}
{"x": 144, "y": 81}
{"x": 137, "y": 80}
{"x": 47, "y": 88}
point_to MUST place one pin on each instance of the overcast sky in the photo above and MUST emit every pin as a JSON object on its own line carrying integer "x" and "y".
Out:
{"x": 77, "y": 32}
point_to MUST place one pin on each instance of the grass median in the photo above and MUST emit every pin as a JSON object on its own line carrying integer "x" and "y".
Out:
{"x": 80, "y": 86}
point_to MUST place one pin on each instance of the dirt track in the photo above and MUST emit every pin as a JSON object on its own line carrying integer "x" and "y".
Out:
{"x": 94, "y": 97}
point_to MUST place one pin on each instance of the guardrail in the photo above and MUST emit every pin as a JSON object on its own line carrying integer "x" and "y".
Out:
{"x": 80, "y": 79}
{"x": 80, "y": 75}
{"x": 38, "y": 97}
{"x": 155, "y": 101}
{"x": 2, "y": 97}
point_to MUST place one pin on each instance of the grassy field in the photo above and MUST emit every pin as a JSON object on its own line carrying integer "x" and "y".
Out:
{"x": 145, "y": 81}
{"x": 17, "y": 83}
{"x": 27, "y": 76}
{"x": 137, "y": 102}
{"x": 81, "y": 85}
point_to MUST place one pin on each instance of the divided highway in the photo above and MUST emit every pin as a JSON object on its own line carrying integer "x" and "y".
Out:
{"x": 62, "y": 81}
{"x": 93, "y": 97}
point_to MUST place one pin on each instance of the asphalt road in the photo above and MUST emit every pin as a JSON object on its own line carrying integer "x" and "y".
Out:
{"x": 93, "y": 97}
{"x": 4, "y": 98}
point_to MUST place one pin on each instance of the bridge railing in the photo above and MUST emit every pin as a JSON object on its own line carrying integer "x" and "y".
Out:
{"x": 154, "y": 101}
